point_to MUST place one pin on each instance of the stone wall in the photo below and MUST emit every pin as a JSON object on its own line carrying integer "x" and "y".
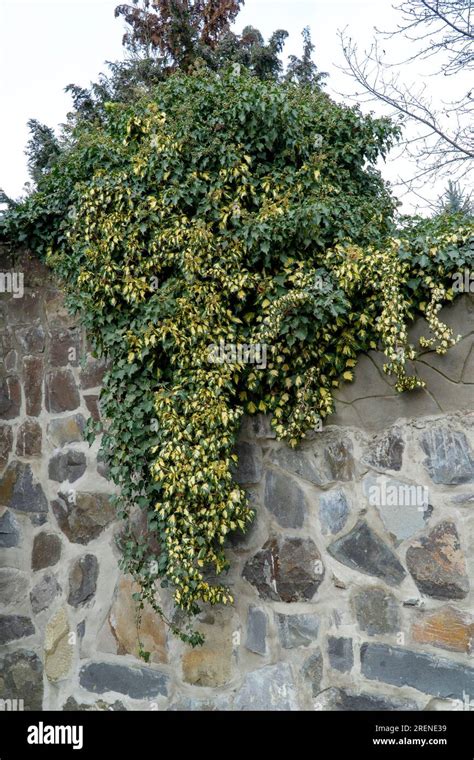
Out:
{"x": 352, "y": 588}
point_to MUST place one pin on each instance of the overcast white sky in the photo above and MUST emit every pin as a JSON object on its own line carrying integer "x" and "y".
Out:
{"x": 47, "y": 44}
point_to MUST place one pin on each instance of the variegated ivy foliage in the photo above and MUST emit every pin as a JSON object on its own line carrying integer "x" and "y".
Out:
{"x": 227, "y": 208}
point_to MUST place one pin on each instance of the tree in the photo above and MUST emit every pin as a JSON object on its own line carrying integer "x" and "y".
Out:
{"x": 455, "y": 201}
{"x": 42, "y": 150}
{"x": 442, "y": 32}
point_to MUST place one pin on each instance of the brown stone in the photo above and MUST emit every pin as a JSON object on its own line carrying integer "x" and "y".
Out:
{"x": 83, "y": 516}
{"x": 46, "y": 551}
{"x": 33, "y": 384}
{"x": 61, "y": 391}
{"x": 10, "y": 397}
{"x": 92, "y": 403}
{"x": 93, "y": 373}
{"x": 6, "y": 443}
{"x": 29, "y": 437}
{"x": 24, "y": 310}
{"x": 437, "y": 563}
{"x": 210, "y": 664}
{"x": 6, "y": 343}
{"x": 447, "y": 628}
{"x": 65, "y": 347}
{"x": 57, "y": 314}
{"x": 58, "y": 649}
{"x": 122, "y": 623}
{"x": 65, "y": 430}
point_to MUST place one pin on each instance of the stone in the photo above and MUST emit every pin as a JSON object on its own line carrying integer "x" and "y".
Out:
{"x": 135, "y": 682}
{"x": 33, "y": 384}
{"x": 31, "y": 339}
{"x": 363, "y": 550}
{"x": 93, "y": 373}
{"x": 57, "y": 647}
{"x": 19, "y": 491}
{"x": 83, "y": 580}
{"x": 256, "y": 640}
{"x": 6, "y": 343}
{"x": 57, "y": 315}
{"x": 333, "y": 511}
{"x": 447, "y": 628}
{"x": 46, "y": 550}
{"x": 217, "y": 703}
{"x": 428, "y": 673}
{"x": 23, "y": 311}
{"x": 100, "y": 706}
{"x": 341, "y": 656}
{"x": 286, "y": 570}
{"x": 81, "y": 629}
{"x": 92, "y": 403}
{"x": 312, "y": 672}
{"x": 249, "y": 466}
{"x": 10, "y": 397}
{"x": 301, "y": 463}
{"x": 376, "y": 611}
{"x": 285, "y": 500}
{"x": 6, "y": 444}
{"x": 44, "y": 592}
{"x": 68, "y": 465}
{"x": 338, "y": 457}
{"x": 342, "y": 700}
{"x": 297, "y": 630}
{"x": 14, "y": 627}
{"x": 61, "y": 392}
{"x": 449, "y": 458}
{"x": 85, "y": 519}
{"x": 404, "y": 508}
{"x": 463, "y": 499}
{"x": 437, "y": 564}
{"x": 212, "y": 663}
{"x": 11, "y": 361}
{"x": 64, "y": 347}
{"x": 13, "y": 586}
{"x": 66, "y": 430}
{"x": 22, "y": 679}
{"x": 121, "y": 621}
{"x": 9, "y": 530}
{"x": 268, "y": 688}
{"x": 29, "y": 439}
{"x": 385, "y": 452}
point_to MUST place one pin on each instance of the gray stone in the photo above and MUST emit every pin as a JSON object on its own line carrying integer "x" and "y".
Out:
{"x": 19, "y": 491}
{"x": 269, "y": 688}
{"x": 31, "y": 339}
{"x": 462, "y": 499}
{"x": 286, "y": 570}
{"x": 437, "y": 564}
{"x": 341, "y": 700}
{"x": 297, "y": 630}
{"x": 83, "y": 580}
{"x": 61, "y": 393}
{"x": 83, "y": 516}
{"x": 385, "y": 452}
{"x": 9, "y": 530}
{"x": 312, "y": 671}
{"x": 376, "y": 611}
{"x": 46, "y": 550}
{"x": 14, "y": 627}
{"x": 100, "y": 706}
{"x": 256, "y": 631}
{"x": 44, "y": 592}
{"x": 217, "y": 703}
{"x": 81, "y": 629}
{"x": 333, "y": 511}
{"x": 26, "y": 309}
{"x": 66, "y": 430}
{"x": 135, "y": 682}
{"x": 68, "y": 465}
{"x": 285, "y": 500}
{"x": 249, "y": 467}
{"x": 363, "y": 550}
{"x": 341, "y": 656}
{"x": 11, "y": 361}
{"x": 428, "y": 673}
{"x": 449, "y": 457}
{"x": 22, "y": 679}
{"x": 300, "y": 463}
{"x": 403, "y": 507}
{"x": 13, "y": 586}
{"x": 10, "y": 397}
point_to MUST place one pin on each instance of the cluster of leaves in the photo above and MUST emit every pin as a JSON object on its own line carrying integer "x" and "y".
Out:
{"x": 228, "y": 208}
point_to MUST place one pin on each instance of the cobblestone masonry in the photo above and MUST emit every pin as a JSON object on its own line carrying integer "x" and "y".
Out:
{"x": 353, "y": 587}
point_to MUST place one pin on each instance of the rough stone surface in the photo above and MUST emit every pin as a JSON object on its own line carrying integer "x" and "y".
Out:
{"x": 92, "y": 374}
{"x": 403, "y": 507}
{"x": 66, "y": 430}
{"x": 333, "y": 511}
{"x": 249, "y": 466}
{"x": 10, "y": 397}
{"x": 6, "y": 444}
{"x": 44, "y": 592}
{"x": 268, "y": 688}
{"x": 342, "y": 700}
{"x": 83, "y": 580}
{"x": 33, "y": 384}
{"x": 18, "y": 490}
{"x": 31, "y": 339}
{"x": 285, "y": 500}
{"x": 376, "y": 611}
{"x": 437, "y": 564}
{"x": 92, "y": 403}
{"x": 64, "y": 347}
{"x": 313, "y": 672}
{"x": 9, "y": 530}
{"x": 297, "y": 630}
{"x": 22, "y": 678}
{"x": 385, "y": 452}
{"x": 29, "y": 439}
{"x": 46, "y": 550}
{"x": 13, "y": 586}
{"x": 301, "y": 463}
{"x": 362, "y": 549}
{"x": 68, "y": 465}
{"x": 449, "y": 457}
{"x": 341, "y": 656}
{"x": 135, "y": 682}
{"x": 425, "y": 672}
{"x": 71, "y": 705}
{"x": 287, "y": 570}
{"x": 85, "y": 519}
{"x": 447, "y": 628}
{"x": 61, "y": 394}
{"x": 211, "y": 664}
{"x": 256, "y": 640}
{"x": 58, "y": 649}
{"x": 14, "y": 627}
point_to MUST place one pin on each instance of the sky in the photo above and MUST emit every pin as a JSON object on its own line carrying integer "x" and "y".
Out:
{"x": 47, "y": 44}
